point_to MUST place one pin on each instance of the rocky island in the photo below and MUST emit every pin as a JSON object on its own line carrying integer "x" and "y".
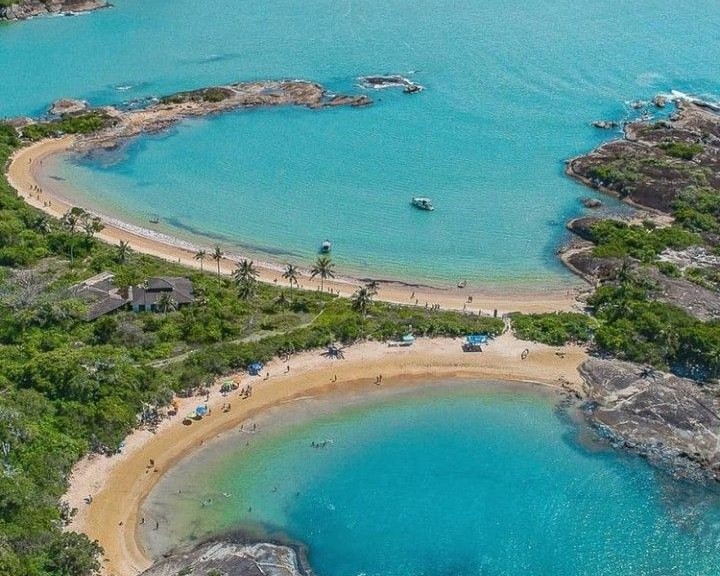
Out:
{"x": 24, "y": 9}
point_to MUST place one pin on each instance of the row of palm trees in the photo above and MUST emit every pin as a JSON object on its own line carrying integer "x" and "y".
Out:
{"x": 246, "y": 273}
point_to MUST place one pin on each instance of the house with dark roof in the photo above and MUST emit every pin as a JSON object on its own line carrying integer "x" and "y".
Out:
{"x": 101, "y": 295}
{"x": 145, "y": 298}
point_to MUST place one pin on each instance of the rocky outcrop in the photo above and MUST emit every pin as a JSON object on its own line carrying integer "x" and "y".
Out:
{"x": 68, "y": 106}
{"x": 234, "y": 559}
{"x": 656, "y": 161}
{"x": 25, "y": 9}
{"x": 165, "y": 112}
{"x": 671, "y": 421}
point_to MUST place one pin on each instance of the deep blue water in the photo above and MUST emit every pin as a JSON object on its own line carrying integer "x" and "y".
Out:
{"x": 465, "y": 482}
{"x": 511, "y": 89}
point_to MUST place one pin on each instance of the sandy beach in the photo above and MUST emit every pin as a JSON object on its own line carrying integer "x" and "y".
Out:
{"x": 119, "y": 484}
{"x": 25, "y": 174}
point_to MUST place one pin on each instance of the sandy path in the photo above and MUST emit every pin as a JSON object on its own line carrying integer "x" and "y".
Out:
{"x": 25, "y": 174}
{"x": 119, "y": 484}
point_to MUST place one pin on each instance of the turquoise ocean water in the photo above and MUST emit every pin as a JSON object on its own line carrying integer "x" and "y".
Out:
{"x": 475, "y": 481}
{"x": 511, "y": 89}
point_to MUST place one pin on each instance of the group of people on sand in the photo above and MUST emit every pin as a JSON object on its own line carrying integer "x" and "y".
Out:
{"x": 246, "y": 392}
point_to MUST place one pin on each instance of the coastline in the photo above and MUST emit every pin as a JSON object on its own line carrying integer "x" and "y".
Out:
{"x": 24, "y": 173}
{"x": 120, "y": 484}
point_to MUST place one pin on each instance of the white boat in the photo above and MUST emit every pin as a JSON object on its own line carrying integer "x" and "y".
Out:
{"x": 422, "y": 203}
{"x": 326, "y": 247}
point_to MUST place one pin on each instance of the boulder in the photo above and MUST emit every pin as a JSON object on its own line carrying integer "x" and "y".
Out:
{"x": 591, "y": 203}
{"x": 659, "y": 101}
{"x": 605, "y": 124}
{"x": 671, "y": 421}
{"x": 68, "y": 106}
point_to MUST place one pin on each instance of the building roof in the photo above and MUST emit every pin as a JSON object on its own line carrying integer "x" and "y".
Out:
{"x": 180, "y": 289}
{"x": 101, "y": 295}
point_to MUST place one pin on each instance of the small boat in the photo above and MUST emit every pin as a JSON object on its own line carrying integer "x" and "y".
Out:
{"x": 326, "y": 247}
{"x": 154, "y": 219}
{"x": 422, "y": 203}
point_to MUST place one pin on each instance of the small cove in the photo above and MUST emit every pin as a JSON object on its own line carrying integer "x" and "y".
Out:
{"x": 450, "y": 478}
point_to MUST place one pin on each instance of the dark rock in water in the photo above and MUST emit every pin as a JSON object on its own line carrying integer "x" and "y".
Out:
{"x": 591, "y": 203}
{"x": 671, "y": 421}
{"x": 232, "y": 559}
{"x": 637, "y": 104}
{"x": 605, "y": 124}
{"x": 391, "y": 81}
{"x": 660, "y": 101}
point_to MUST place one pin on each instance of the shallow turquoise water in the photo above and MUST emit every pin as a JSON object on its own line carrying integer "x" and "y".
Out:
{"x": 511, "y": 89}
{"x": 472, "y": 481}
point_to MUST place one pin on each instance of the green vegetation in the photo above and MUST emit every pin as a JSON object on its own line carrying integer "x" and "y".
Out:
{"x": 633, "y": 326}
{"x": 215, "y": 95}
{"x": 69, "y": 124}
{"x": 681, "y": 150}
{"x": 616, "y": 172}
{"x": 698, "y": 210}
{"x": 69, "y": 386}
{"x": 555, "y": 329}
{"x": 616, "y": 239}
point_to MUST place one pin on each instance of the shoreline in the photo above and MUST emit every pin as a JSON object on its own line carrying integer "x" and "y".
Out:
{"x": 24, "y": 173}
{"x": 120, "y": 484}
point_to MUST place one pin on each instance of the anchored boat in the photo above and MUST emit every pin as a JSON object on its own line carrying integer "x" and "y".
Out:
{"x": 422, "y": 203}
{"x": 326, "y": 247}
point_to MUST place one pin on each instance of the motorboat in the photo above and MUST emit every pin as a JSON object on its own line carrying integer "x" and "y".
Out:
{"x": 422, "y": 203}
{"x": 326, "y": 247}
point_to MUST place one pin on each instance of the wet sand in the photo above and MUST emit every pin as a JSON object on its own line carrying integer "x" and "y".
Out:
{"x": 120, "y": 484}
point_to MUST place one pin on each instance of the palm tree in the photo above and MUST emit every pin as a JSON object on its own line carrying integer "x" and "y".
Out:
{"x": 323, "y": 267}
{"x": 246, "y": 288}
{"x": 200, "y": 255}
{"x": 217, "y": 255}
{"x": 245, "y": 276}
{"x": 123, "y": 250}
{"x": 361, "y": 301}
{"x": 70, "y": 222}
{"x": 291, "y": 274}
{"x": 282, "y": 301}
{"x": 373, "y": 286}
{"x": 245, "y": 271}
{"x": 91, "y": 226}
{"x": 165, "y": 303}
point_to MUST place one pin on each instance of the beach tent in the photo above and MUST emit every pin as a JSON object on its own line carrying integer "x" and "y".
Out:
{"x": 255, "y": 368}
{"x": 474, "y": 342}
{"x": 201, "y": 411}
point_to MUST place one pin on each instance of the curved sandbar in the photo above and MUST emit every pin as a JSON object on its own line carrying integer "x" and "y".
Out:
{"x": 120, "y": 484}
{"x": 25, "y": 174}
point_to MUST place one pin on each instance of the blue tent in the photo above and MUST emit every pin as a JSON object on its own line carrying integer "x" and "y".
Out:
{"x": 476, "y": 339}
{"x": 255, "y": 368}
{"x": 201, "y": 411}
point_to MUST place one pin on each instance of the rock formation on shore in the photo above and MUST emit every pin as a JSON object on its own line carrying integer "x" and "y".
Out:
{"x": 24, "y": 9}
{"x": 656, "y": 160}
{"x": 234, "y": 559}
{"x": 671, "y": 421}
